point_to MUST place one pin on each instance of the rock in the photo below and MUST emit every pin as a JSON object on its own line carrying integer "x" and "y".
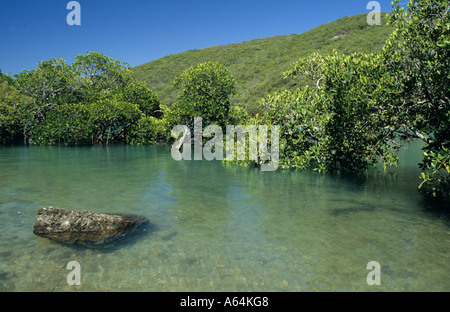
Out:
{"x": 82, "y": 226}
{"x": 338, "y": 37}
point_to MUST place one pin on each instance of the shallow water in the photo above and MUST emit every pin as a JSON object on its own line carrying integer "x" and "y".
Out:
{"x": 216, "y": 227}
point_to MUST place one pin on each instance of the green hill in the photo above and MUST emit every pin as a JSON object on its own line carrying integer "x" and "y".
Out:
{"x": 257, "y": 65}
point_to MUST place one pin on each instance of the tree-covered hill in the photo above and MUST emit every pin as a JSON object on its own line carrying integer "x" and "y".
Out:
{"x": 257, "y": 65}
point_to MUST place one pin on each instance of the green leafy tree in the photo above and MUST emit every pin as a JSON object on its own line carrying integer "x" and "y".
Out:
{"x": 95, "y": 100}
{"x": 65, "y": 124}
{"x": 147, "y": 100}
{"x": 102, "y": 74}
{"x": 149, "y": 130}
{"x": 106, "y": 120}
{"x": 336, "y": 124}
{"x": 366, "y": 105}
{"x": 14, "y": 111}
{"x": 205, "y": 91}
{"x": 6, "y": 78}
{"x": 417, "y": 58}
{"x": 302, "y": 116}
{"x": 50, "y": 85}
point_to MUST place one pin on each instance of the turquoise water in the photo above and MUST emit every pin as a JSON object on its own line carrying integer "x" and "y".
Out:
{"x": 216, "y": 227}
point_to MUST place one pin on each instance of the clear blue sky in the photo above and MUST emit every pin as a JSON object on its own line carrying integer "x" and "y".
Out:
{"x": 139, "y": 31}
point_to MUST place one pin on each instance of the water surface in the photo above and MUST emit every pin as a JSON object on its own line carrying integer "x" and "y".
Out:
{"x": 216, "y": 227}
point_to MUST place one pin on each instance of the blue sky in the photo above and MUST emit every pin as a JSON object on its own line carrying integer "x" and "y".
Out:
{"x": 139, "y": 31}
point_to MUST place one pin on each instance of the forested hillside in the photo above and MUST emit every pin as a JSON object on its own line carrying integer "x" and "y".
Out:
{"x": 257, "y": 65}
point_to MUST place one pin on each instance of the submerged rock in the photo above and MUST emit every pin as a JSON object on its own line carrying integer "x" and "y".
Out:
{"x": 83, "y": 227}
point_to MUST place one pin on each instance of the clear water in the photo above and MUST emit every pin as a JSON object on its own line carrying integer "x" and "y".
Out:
{"x": 216, "y": 227}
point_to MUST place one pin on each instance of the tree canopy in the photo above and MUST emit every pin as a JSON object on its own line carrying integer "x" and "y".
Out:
{"x": 205, "y": 92}
{"x": 359, "y": 109}
{"x": 94, "y": 100}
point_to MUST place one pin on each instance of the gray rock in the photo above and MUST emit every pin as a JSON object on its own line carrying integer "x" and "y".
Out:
{"x": 82, "y": 226}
